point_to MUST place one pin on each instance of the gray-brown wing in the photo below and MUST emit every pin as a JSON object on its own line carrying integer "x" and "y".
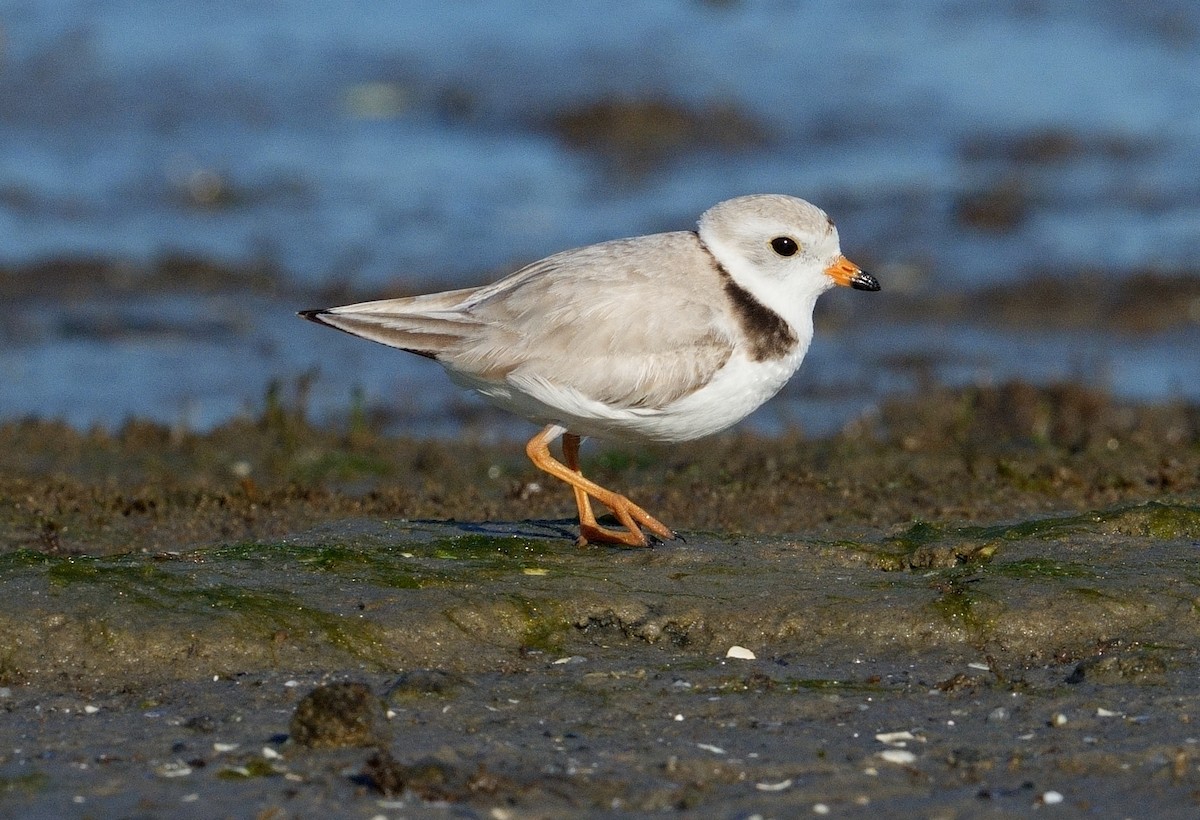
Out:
{"x": 632, "y": 323}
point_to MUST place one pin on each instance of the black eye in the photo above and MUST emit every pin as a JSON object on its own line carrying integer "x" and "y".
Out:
{"x": 784, "y": 245}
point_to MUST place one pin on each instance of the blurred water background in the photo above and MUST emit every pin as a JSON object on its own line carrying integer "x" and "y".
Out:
{"x": 177, "y": 178}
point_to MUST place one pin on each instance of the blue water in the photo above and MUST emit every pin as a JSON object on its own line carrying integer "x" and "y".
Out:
{"x": 384, "y": 144}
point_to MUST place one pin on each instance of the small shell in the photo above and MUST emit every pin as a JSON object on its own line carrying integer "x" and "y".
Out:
{"x": 782, "y": 785}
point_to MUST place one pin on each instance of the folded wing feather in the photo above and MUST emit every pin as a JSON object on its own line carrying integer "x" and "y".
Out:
{"x": 590, "y": 319}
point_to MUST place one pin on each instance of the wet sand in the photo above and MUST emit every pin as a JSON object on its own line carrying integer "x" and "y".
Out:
{"x": 975, "y": 603}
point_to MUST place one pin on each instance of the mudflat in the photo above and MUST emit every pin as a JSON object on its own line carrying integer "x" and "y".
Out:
{"x": 975, "y": 602}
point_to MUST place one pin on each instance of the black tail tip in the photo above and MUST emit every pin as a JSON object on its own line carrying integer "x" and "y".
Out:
{"x": 313, "y": 315}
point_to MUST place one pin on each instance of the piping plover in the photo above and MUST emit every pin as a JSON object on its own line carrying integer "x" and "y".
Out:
{"x": 665, "y": 338}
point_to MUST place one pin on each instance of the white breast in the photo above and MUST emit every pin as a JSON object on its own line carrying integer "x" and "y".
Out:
{"x": 737, "y": 390}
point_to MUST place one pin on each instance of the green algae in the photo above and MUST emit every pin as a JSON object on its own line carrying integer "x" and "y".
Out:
{"x": 385, "y": 567}
{"x": 29, "y": 784}
{"x": 166, "y": 588}
{"x": 1152, "y": 519}
{"x": 513, "y": 618}
{"x": 1039, "y": 568}
{"x": 22, "y": 559}
{"x": 968, "y": 595}
{"x": 1095, "y": 594}
{"x": 927, "y": 544}
{"x": 545, "y": 627}
{"x": 963, "y": 602}
{"x": 485, "y": 548}
{"x": 919, "y": 534}
{"x": 342, "y": 593}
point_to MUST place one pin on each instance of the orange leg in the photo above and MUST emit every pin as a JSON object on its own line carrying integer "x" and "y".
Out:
{"x": 587, "y": 519}
{"x": 538, "y": 450}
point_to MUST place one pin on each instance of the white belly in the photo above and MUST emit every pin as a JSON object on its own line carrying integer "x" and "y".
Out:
{"x": 737, "y": 390}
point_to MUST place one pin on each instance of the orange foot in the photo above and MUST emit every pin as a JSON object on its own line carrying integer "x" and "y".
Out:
{"x": 628, "y": 513}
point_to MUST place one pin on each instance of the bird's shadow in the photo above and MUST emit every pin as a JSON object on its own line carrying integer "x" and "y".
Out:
{"x": 532, "y": 528}
{"x": 541, "y": 529}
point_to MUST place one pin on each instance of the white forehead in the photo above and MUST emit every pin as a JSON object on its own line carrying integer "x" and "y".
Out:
{"x": 772, "y": 214}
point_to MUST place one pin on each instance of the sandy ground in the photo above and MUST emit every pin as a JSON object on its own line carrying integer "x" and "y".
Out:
{"x": 978, "y": 603}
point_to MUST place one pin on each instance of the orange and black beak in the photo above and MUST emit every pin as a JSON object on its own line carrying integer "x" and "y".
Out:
{"x": 849, "y": 275}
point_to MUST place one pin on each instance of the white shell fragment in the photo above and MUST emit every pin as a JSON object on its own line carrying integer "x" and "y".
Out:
{"x": 741, "y": 653}
{"x": 774, "y": 787}
{"x": 175, "y": 768}
{"x": 899, "y": 756}
{"x": 898, "y": 739}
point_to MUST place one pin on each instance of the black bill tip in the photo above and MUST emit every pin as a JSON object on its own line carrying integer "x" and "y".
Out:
{"x": 864, "y": 281}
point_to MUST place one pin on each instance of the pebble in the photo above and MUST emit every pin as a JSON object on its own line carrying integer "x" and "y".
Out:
{"x": 898, "y": 756}
{"x": 740, "y": 652}
{"x": 339, "y": 715}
